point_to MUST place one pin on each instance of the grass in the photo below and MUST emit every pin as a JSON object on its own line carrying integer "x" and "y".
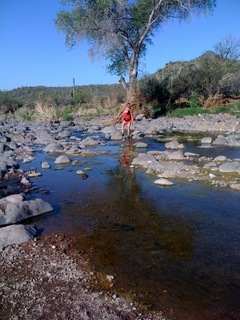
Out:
{"x": 233, "y": 109}
{"x": 183, "y": 112}
{"x": 46, "y": 113}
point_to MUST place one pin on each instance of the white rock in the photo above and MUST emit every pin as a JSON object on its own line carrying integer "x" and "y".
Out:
{"x": 163, "y": 182}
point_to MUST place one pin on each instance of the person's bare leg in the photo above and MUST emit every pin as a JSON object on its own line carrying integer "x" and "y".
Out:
{"x": 128, "y": 128}
{"x": 123, "y": 128}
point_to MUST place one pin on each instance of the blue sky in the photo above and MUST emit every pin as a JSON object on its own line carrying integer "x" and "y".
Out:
{"x": 33, "y": 52}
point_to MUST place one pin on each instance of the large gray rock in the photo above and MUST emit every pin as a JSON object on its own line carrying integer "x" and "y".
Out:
{"x": 16, "y": 234}
{"x": 174, "y": 145}
{"x": 109, "y": 130}
{"x": 14, "y": 209}
{"x": 231, "y": 166}
{"x": 43, "y": 137}
{"x": 54, "y": 147}
{"x": 89, "y": 142}
{"x": 175, "y": 155}
{"x": 62, "y": 160}
{"x": 220, "y": 140}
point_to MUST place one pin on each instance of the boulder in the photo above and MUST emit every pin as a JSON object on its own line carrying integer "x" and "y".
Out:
{"x": 62, "y": 160}
{"x": 53, "y": 147}
{"x": 88, "y": 142}
{"x": 221, "y": 140}
{"x": 14, "y": 209}
{"x": 16, "y": 234}
{"x": 231, "y": 166}
{"x": 45, "y": 165}
{"x": 174, "y": 145}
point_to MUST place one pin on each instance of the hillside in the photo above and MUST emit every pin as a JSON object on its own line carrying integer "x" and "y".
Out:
{"x": 207, "y": 77}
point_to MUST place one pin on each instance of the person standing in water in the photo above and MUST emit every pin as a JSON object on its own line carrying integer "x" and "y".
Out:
{"x": 127, "y": 119}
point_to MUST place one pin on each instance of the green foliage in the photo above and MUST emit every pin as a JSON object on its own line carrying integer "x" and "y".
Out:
{"x": 81, "y": 97}
{"x": 24, "y": 113}
{"x": 153, "y": 90}
{"x": 8, "y": 103}
{"x": 122, "y": 30}
{"x": 194, "y": 101}
{"x": 233, "y": 109}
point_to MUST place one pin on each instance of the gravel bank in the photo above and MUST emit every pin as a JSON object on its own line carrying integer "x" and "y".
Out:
{"x": 48, "y": 279}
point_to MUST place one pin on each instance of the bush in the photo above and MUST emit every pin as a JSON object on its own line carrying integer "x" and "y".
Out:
{"x": 194, "y": 101}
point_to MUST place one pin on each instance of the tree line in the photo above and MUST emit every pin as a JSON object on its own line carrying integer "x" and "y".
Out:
{"x": 207, "y": 81}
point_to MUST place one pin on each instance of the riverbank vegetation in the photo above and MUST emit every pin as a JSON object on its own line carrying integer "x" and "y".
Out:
{"x": 207, "y": 84}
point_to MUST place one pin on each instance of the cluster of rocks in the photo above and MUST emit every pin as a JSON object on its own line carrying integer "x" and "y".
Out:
{"x": 19, "y": 141}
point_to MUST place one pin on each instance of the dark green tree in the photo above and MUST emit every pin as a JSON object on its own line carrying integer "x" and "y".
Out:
{"x": 121, "y": 30}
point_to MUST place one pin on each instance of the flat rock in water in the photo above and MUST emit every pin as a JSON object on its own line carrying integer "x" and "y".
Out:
{"x": 163, "y": 182}
{"x": 141, "y": 145}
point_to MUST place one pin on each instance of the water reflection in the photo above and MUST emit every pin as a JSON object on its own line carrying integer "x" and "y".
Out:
{"x": 176, "y": 248}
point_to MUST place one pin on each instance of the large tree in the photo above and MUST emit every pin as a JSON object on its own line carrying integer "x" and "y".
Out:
{"x": 121, "y": 30}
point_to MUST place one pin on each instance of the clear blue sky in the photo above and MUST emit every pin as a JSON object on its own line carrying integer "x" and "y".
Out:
{"x": 33, "y": 52}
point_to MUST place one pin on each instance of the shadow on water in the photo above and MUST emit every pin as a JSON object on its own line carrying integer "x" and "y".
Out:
{"x": 176, "y": 249}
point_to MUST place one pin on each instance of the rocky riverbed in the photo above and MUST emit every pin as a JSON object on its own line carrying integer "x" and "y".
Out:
{"x": 47, "y": 269}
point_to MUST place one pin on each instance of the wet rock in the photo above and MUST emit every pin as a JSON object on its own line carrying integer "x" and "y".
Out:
{"x": 141, "y": 145}
{"x": 80, "y": 172}
{"x": 163, "y": 182}
{"x": 45, "y": 165}
{"x": 33, "y": 173}
{"x": 174, "y": 145}
{"x": 62, "y": 160}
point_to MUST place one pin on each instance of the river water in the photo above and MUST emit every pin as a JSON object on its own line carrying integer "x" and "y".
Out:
{"x": 176, "y": 249}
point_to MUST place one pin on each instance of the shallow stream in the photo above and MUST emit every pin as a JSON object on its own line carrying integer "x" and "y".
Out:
{"x": 175, "y": 248}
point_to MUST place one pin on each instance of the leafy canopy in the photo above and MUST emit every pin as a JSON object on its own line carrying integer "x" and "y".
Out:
{"x": 122, "y": 29}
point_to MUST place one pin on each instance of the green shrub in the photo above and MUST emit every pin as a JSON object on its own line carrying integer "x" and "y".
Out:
{"x": 24, "y": 113}
{"x": 194, "y": 101}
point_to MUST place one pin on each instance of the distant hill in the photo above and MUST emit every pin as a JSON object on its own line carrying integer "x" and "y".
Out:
{"x": 62, "y": 94}
{"x": 208, "y": 75}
